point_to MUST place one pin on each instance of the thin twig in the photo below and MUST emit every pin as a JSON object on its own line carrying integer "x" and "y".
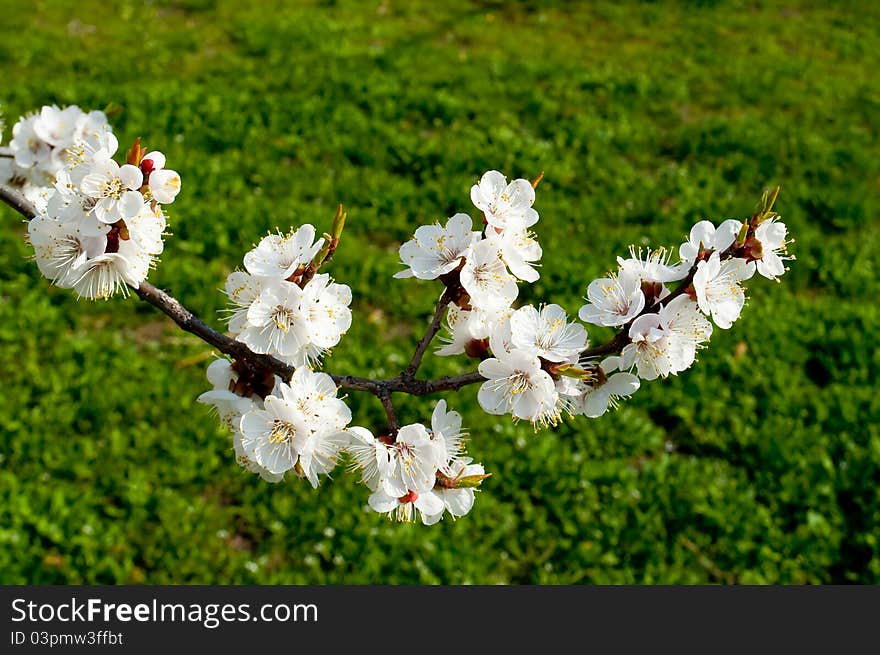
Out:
{"x": 393, "y": 424}
{"x": 191, "y": 323}
{"x": 433, "y": 329}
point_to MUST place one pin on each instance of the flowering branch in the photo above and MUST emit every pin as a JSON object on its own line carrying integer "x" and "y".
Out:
{"x": 97, "y": 227}
{"x": 190, "y": 322}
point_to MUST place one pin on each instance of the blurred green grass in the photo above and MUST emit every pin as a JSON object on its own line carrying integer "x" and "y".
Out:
{"x": 760, "y": 464}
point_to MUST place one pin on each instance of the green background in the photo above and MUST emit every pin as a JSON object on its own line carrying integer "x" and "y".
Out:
{"x": 759, "y": 465}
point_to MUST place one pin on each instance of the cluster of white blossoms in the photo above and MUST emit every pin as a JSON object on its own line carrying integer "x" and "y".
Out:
{"x": 281, "y": 307}
{"x": 40, "y": 142}
{"x": 420, "y": 469}
{"x": 99, "y": 225}
{"x": 537, "y": 363}
{"x": 302, "y": 426}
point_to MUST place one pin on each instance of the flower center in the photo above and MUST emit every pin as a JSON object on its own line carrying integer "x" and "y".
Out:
{"x": 283, "y": 317}
{"x": 282, "y": 432}
{"x": 111, "y": 188}
{"x": 520, "y": 382}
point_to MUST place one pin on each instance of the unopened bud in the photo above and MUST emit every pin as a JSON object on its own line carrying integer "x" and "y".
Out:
{"x": 147, "y": 166}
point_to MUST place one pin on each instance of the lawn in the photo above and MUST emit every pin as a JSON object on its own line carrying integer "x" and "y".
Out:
{"x": 759, "y": 465}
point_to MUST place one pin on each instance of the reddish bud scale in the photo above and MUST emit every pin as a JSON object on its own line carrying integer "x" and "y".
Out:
{"x": 477, "y": 348}
{"x": 752, "y": 249}
{"x": 551, "y": 367}
{"x": 597, "y": 376}
{"x": 112, "y": 240}
{"x": 136, "y": 153}
{"x": 252, "y": 379}
{"x": 410, "y": 497}
{"x": 445, "y": 482}
{"x": 387, "y": 439}
{"x": 651, "y": 291}
{"x": 454, "y": 291}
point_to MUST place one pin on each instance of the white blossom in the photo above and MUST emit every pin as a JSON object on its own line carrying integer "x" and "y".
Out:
{"x": 405, "y": 485}
{"x": 243, "y": 289}
{"x": 547, "y": 333}
{"x": 230, "y": 406}
{"x": 325, "y": 306}
{"x": 244, "y": 461}
{"x": 67, "y": 205}
{"x": 279, "y": 255}
{"x": 716, "y": 284}
{"x": 164, "y": 185}
{"x": 771, "y": 235}
{"x": 447, "y": 433}
{"x": 314, "y": 395}
{"x": 115, "y": 188}
{"x": 373, "y": 457}
{"x": 503, "y": 203}
{"x": 427, "y": 503}
{"x": 42, "y": 144}
{"x": 60, "y": 252}
{"x": 459, "y": 332}
{"x": 465, "y": 326}
{"x": 107, "y": 274}
{"x": 437, "y": 250}
{"x": 705, "y": 235}
{"x": 274, "y": 436}
{"x": 28, "y": 149}
{"x": 417, "y": 459}
{"x": 58, "y": 127}
{"x": 686, "y": 329}
{"x": 652, "y": 265}
{"x": 569, "y": 391}
{"x": 95, "y": 145}
{"x": 297, "y": 429}
{"x": 614, "y": 300}
{"x": 599, "y": 397}
{"x": 650, "y": 350}
{"x": 146, "y": 227}
{"x": 519, "y": 249}
{"x": 456, "y": 501}
{"x": 276, "y": 324}
{"x": 516, "y": 384}
{"x": 486, "y": 279}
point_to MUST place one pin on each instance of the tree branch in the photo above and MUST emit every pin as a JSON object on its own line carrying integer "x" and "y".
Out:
{"x": 17, "y": 201}
{"x": 433, "y": 329}
{"x": 190, "y": 322}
